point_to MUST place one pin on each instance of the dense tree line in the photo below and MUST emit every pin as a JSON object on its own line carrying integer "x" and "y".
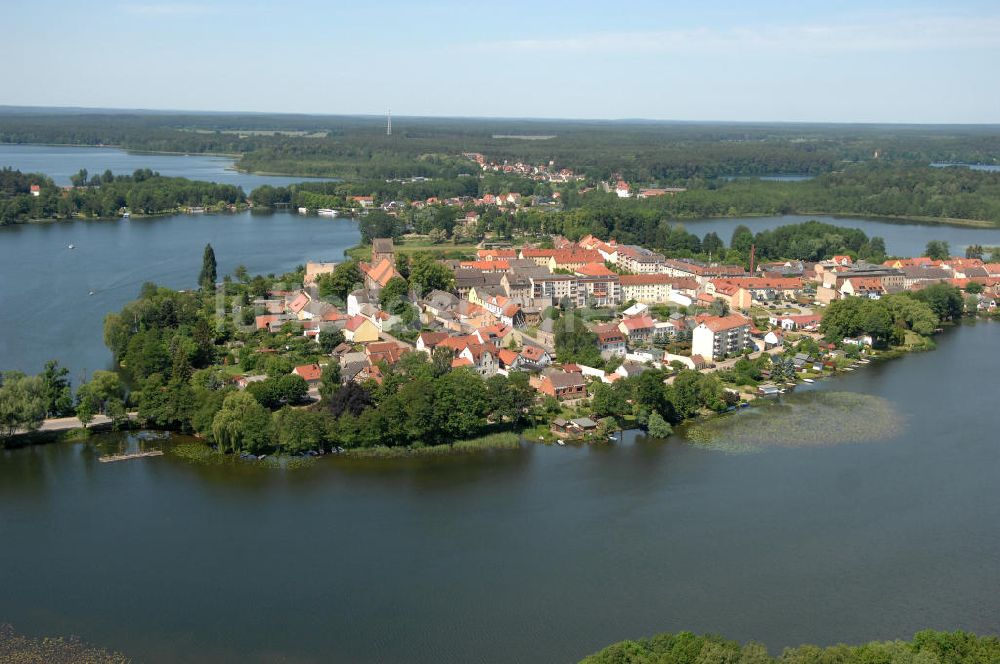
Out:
{"x": 107, "y": 195}
{"x": 887, "y": 318}
{"x": 646, "y": 394}
{"x": 927, "y": 647}
{"x": 357, "y": 147}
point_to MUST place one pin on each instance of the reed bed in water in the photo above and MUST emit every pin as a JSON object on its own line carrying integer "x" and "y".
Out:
{"x": 807, "y": 419}
{"x": 18, "y": 649}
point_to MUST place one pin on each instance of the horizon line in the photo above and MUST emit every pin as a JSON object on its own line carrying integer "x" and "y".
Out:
{"x": 152, "y": 111}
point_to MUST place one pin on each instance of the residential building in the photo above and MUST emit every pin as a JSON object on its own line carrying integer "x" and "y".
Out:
{"x": 638, "y": 260}
{"x": 716, "y": 337}
{"x": 360, "y": 329}
{"x": 311, "y": 373}
{"x": 610, "y": 340}
{"x": 561, "y": 384}
{"x": 637, "y": 328}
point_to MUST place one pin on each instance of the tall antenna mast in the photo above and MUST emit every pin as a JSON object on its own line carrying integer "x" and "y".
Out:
{"x": 388, "y": 122}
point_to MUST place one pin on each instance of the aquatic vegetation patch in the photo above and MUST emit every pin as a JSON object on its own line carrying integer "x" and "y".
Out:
{"x": 17, "y": 648}
{"x": 808, "y": 419}
{"x": 494, "y": 441}
{"x": 202, "y": 454}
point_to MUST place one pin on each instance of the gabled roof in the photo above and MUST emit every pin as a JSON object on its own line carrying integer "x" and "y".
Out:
{"x": 507, "y": 356}
{"x": 385, "y": 351}
{"x": 356, "y": 322}
{"x": 638, "y": 322}
{"x": 381, "y": 272}
{"x": 299, "y": 302}
{"x": 533, "y": 353}
{"x": 309, "y": 372}
{"x": 432, "y": 339}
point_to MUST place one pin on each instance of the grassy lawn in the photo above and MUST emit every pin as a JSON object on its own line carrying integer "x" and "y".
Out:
{"x": 411, "y": 245}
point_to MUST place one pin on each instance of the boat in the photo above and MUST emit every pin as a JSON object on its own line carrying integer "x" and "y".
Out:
{"x": 126, "y": 215}
{"x": 72, "y": 246}
{"x": 326, "y": 212}
{"x": 848, "y": 369}
{"x": 808, "y": 380}
{"x": 559, "y": 442}
{"x": 90, "y": 293}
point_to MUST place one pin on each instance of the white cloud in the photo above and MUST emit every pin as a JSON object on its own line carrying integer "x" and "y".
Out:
{"x": 167, "y": 9}
{"x": 874, "y": 34}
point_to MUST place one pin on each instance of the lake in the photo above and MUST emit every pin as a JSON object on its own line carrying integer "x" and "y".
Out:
{"x": 902, "y": 238}
{"x": 59, "y": 162}
{"x": 538, "y": 555}
{"x": 48, "y": 313}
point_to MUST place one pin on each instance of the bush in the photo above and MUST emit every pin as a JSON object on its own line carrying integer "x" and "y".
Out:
{"x": 658, "y": 427}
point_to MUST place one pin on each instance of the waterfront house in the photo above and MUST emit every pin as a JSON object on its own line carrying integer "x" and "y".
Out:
{"x": 562, "y": 385}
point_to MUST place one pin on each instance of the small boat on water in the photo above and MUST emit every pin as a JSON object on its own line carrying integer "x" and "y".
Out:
{"x": 90, "y": 293}
{"x": 126, "y": 215}
{"x": 72, "y": 246}
{"x": 326, "y": 212}
{"x": 559, "y": 442}
{"x": 808, "y": 380}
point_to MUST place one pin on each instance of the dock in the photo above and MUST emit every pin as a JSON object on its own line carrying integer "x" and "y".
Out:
{"x": 131, "y": 455}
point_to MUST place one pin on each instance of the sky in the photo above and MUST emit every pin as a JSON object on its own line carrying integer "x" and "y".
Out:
{"x": 708, "y": 60}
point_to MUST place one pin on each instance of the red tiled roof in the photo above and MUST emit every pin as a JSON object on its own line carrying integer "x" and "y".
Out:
{"x": 533, "y": 353}
{"x": 388, "y": 351}
{"x": 594, "y": 270}
{"x": 507, "y": 356}
{"x": 355, "y": 322}
{"x": 432, "y": 339}
{"x": 720, "y": 323}
{"x": 750, "y": 283}
{"x": 493, "y": 254}
{"x": 309, "y": 372}
{"x": 381, "y": 272}
{"x": 571, "y": 256}
{"x": 299, "y": 303}
{"x": 638, "y": 322}
{"x": 263, "y": 322}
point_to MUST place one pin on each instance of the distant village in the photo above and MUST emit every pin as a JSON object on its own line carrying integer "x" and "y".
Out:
{"x": 645, "y": 310}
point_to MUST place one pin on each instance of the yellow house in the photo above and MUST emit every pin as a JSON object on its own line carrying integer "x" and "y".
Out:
{"x": 360, "y": 330}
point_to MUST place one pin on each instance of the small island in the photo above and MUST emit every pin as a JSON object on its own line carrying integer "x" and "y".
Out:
{"x": 551, "y": 340}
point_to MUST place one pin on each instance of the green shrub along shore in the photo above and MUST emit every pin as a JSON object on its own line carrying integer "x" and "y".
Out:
{"x": 926, "y": 647}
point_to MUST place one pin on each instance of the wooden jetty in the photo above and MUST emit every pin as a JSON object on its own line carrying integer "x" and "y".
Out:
{"x": 131, "y": 455}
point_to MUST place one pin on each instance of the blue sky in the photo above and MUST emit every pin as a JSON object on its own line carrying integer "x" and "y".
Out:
{"x": 708, "y": 60}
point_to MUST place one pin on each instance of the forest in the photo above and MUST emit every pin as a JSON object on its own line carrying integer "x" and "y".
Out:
{"x": 357, "y": 147}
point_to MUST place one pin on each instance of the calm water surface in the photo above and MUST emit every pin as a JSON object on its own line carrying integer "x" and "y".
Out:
{"x": 47, "y": 312}
{"x": 60, "y": 162}
{"x": 541, "y": 555}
